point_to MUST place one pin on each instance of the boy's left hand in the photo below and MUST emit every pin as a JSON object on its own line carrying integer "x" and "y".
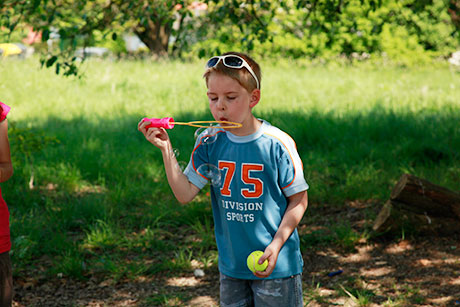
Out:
{"x": 271, "y": 254}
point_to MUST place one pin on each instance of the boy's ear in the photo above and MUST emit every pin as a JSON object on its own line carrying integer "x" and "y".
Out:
{"x": 255, "y": 97}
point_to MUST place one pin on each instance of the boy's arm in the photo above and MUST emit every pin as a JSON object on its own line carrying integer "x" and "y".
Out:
{"x": 183, "y": 189}
{"x": 6, "y": 168}
{"x": 297, "y": 205}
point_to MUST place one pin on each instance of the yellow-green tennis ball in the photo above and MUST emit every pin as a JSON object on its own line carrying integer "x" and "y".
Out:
{"x": 253, "y": 263}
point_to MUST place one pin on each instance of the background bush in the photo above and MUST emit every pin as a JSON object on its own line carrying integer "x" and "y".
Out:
{"x": 406, "y": 32}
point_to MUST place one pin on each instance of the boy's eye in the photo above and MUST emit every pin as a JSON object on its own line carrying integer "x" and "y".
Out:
{"x": 231, "y": 98}
{"x": 213, "y": 98}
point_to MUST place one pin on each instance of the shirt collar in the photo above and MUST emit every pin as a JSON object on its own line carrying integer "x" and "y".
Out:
{"x": 248, "y": 138}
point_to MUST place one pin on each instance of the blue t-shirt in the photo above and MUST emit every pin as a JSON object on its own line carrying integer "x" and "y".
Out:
{"x": 251, "y": 177}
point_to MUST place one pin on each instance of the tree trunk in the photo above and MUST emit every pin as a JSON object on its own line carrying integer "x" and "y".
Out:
{"x": 454, "y": 12}
{"x": 155, "y": 35}
{"x": 421, "y": 205}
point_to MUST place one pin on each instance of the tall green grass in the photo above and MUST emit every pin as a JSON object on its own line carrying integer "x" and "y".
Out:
{"x": 91, "y": 193}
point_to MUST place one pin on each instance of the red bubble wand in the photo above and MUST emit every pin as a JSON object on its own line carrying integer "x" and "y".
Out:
{"x": 168, "y": 123}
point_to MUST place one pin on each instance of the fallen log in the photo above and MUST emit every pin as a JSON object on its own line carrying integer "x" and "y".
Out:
{"x": 421, "y": 205}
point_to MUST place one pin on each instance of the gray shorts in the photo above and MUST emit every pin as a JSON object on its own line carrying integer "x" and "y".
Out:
{"x": 262, "y": 292}
{"x": 6, "y": 280}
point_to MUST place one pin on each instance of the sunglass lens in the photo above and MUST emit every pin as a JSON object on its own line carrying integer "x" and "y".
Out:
{"x": 233, "y": 61}
{"x": 212, "y": 62}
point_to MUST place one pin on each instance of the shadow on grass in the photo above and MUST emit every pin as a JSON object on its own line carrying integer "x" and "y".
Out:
{"x": 337, "y": 151}
{"x": 104, "y": 170}
{"x": 421, "y": 271}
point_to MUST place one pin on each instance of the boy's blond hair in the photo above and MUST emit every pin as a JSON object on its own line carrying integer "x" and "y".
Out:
{"x": 242, "y": 75}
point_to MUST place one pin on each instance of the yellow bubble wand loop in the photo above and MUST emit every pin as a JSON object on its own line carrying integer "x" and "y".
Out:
{"x": 208, "y": 123}
{"x": 168, "y": 123}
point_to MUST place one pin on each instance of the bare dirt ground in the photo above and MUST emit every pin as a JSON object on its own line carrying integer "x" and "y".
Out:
{"x": 414, "y": 271}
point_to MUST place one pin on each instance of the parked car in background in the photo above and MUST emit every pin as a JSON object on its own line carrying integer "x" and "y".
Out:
{"x": 92, "y": 52}
{"x": 12, "y": 49}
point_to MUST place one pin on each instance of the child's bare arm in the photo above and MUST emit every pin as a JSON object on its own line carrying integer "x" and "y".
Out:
{"x": 6, "y": 168}
{"x": 183, "y": 189}
{"x": 298, "y": 203}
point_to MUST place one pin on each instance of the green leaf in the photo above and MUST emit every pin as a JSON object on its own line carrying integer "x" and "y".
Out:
{"x": 45, "y": 34}
{"x": 51, "y": 61}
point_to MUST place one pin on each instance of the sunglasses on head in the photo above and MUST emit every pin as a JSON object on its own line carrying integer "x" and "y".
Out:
{"x": 232, "y": 61}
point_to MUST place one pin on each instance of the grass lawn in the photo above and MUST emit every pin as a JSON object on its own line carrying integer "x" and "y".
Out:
{"x": 89, "y": 199}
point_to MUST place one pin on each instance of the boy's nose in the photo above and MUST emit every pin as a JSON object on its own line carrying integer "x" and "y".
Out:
{"x": 221, "y": 104}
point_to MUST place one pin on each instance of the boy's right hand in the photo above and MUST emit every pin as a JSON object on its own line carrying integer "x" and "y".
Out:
{"x": 157, "y": 136}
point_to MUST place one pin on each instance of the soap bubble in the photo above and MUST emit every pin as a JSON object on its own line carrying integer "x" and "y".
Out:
{"x": 175, "y": 152}
{"x": 198, "y": 132}
{"x": 211, "y": 172}
{"x": 210, "y": 129}
{"x": 208, "y": 139}
{"x": 181, "y": 165}
{"x": 207, "y": 135}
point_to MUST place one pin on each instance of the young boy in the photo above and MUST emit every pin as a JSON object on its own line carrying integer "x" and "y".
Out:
{"x": 262, "y": 194}
{"x": 6, "y": 171}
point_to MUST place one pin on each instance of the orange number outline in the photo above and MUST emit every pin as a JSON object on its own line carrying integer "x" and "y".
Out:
{"x": 258, "y": 184}
{"x": 231, "y": 167}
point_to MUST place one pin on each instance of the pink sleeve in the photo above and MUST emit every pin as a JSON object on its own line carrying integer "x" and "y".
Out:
{"x": 4, "y": 109}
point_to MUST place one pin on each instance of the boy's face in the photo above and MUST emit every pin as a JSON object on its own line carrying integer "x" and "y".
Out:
{"x": 229, "y": 101}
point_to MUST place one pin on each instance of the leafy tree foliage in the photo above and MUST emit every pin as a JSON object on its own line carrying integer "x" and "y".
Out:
{"x": 77, "y": 21}
{"x": 328, "y": 28}
{"x": 410, "y": 30}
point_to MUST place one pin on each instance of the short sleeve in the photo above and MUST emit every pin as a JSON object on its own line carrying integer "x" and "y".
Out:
{"x": 4, "y": 109}
{"x": 198, "y": 157}
{"x": 291, "y": 177}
